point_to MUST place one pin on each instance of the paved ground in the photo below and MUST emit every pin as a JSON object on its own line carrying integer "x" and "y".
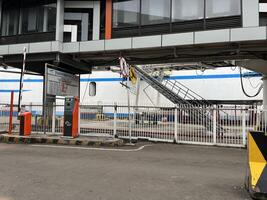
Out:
{"x": 158, "y": 172}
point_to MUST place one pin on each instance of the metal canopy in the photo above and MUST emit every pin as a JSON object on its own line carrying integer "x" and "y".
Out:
{"x": 209, "y": 56}
{"x": 213, "y": 55}
{"x": 36, "y": 63}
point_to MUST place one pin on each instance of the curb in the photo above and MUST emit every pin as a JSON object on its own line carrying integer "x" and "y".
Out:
{"x": 85, "y": 141}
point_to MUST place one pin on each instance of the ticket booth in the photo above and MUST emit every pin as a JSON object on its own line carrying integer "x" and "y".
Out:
{"x": 25, "y": 123}
{"x": 71, "y": 117}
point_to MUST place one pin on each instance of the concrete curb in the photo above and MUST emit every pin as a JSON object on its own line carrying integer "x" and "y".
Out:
{"x": 81, "y": 141}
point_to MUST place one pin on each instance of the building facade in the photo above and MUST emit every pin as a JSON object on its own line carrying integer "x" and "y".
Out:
{"x": 82, "y": 34}
{"x": 40, "y": 20}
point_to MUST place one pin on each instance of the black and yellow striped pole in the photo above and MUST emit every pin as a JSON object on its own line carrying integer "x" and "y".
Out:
{"x": 256, "y": 181}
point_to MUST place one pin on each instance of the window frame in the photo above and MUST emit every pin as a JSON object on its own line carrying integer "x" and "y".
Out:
{"x": 204, "y": 14}
{"x": 125, "y": 27}
{"x": 20, "y": 6}
{"x": 202, "y": 24}
{"x": 241, "y": 11}
{"x": 151, "y": 24}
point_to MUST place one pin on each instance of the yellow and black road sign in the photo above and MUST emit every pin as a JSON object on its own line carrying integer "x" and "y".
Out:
{"x": 257, "y": 155}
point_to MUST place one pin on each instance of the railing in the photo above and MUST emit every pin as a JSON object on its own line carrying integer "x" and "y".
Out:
{"x": 184, "y": 92}
{"x": 180, "y": 124}
{"x": 4, "y": 118}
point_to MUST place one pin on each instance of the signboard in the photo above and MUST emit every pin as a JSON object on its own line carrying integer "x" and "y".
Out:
{"x": 59, "y": 83}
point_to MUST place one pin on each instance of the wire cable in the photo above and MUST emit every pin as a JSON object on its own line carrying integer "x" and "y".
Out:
{"x": 255, "y": 87}
{"x": 233, "y": 68}
{"x": 243, "y": 89}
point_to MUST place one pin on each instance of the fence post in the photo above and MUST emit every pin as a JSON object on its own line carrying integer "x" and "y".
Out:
{"x": 176, "y": 124}
{"x": 30, "y": 107}
{"x": 214, "y": 125}
{"x": 244, "y": 133}
{"x": 54, "y": 118}
{"x": 11, "y": 113}
{"x": 115, "y": 121}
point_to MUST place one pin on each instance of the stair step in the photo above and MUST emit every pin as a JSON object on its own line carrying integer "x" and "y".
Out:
{"x": 169, "y": 93}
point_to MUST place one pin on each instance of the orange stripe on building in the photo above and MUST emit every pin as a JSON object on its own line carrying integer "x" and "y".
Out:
{"x": 108, "y": 19}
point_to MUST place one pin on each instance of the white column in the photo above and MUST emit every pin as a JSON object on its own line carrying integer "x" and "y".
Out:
{"x": 96, "y": 21}
{"x": 215, "y": 125}
{"x": 250, "y": 13}
{"x": 176, "y": 124}
{"x": 115, "y": 121}
{"x": 138, "y": 85}
{"x": 264, "y": 92}
{"x": 263, "y": 117}
{"x": 1, "y": 12}
{"x": 20, "y": 21}
{"x": 244, "y": 131}
{"x": 54, "y": 118}
{"x": 45, "y": 25}
{"x": 85, "y": 22}
{"x": 60, "y": 21}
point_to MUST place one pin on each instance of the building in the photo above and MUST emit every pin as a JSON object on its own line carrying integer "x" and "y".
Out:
{"x": 97, "y": 32}
{"x": 78, "y": 35}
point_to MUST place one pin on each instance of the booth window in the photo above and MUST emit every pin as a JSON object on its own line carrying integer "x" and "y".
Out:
{"x": 155, "y": 11}
{"x": 183, "y": 10}
{"x": 126, "y": 13}
{"x": 225, "y": 8}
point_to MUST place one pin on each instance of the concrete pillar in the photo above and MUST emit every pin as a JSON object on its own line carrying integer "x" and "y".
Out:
{"x": 85, "y": 27}
{"x": 1, "y": 12}
{"x": 264, "y": 92}
{"x": 60, "y": 21}
{"x": 45, "y": 24}
{"x": 96, "y": 21}
{"x": 250, "y": 13}
{"x": 20, "y": 21}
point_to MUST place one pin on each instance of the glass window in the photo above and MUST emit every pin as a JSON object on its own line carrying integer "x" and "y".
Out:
{"x": 155, "y": 11}
{"x": 222, "y": 8}
{"x": 29, "y": 20}
{"x": 10, "y": 22}
{"x": 50, "y": 23}
{"x": 39, "y": 19}
{"x": 126, "y": 13}
{"x": 183, "y": 10}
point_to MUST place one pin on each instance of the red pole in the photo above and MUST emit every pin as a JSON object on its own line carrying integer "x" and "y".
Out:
{"x": 108, "y": 26}
{"x": 11, "y": 112}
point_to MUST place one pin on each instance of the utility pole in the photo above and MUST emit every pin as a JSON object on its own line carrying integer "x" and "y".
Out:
{"x": 22, "y": 79}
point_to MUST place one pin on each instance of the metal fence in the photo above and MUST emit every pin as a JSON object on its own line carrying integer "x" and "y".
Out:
{"x": 4, "y": 118}
{"x": 226, "y": 126}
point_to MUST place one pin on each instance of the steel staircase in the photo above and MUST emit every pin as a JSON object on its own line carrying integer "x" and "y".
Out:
{"x": 180, "y": 95}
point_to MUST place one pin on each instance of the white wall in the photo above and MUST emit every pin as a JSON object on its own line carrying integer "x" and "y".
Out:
{"x": 250, "y": 13}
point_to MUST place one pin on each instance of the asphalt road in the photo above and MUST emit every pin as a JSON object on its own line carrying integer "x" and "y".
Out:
{"x": 158, "y": 172}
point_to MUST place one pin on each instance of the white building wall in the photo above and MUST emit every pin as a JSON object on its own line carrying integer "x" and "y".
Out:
{"x": 250, "y": 13}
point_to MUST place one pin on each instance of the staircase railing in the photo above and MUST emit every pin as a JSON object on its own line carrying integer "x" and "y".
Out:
{"x": 181, "y": 95}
